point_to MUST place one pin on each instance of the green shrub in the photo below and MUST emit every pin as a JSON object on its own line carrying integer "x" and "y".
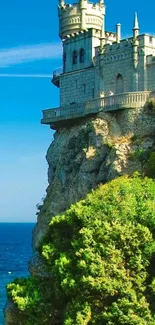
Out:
{"x": 150, "y": 166}
{"x": 150, "y": 104}
{"x": 140, "y": 154}
{"x": 100, "y": 255}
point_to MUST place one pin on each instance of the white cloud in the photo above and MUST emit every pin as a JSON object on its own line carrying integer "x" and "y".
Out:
{"x": 29, "y": 53}
{"x": 13, "y": 75}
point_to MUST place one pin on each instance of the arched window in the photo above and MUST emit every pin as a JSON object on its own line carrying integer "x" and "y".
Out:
{"x": 75, "y": 56}
{"x": 82, "y": 55}
{"x": 64, "y": 61}
{"x": 119, "y": 84}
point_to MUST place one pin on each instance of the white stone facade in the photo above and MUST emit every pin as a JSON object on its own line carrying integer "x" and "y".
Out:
{"x": 97, "y": 63}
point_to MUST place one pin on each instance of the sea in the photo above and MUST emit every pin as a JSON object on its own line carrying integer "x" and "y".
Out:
{"x": 15, "y": 252}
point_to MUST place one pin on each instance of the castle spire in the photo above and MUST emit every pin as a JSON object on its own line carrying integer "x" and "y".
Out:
{"x": 135, "y": 26}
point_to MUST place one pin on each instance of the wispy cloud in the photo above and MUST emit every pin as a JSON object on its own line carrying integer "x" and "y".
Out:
{"x": 13, "y": 75}
{"x": 22, "y": 54}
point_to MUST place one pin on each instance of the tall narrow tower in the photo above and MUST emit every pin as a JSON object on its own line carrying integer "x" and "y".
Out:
{"x": 135, "y": 52}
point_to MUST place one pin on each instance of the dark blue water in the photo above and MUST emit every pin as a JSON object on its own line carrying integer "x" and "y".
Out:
{"x": 15, "y": 252}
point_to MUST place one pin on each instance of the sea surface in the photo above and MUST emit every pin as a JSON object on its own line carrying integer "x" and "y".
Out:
{"x": 15, "y": 252}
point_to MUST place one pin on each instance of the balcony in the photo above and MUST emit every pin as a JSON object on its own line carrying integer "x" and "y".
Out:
{"x": 60, "y": 115}
{"x": 56, "y": 77}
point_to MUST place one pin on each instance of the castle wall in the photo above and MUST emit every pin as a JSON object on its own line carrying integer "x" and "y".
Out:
{"x": 113, "y": 64}
{"x": 77, "y": 87}
{"x": 146, "y": 72}
{"x": 151, "y": 76}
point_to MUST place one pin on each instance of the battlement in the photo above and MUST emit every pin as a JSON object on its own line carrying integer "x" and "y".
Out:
{"x": 123, "y": 44}
{"x": 77, "y": 17}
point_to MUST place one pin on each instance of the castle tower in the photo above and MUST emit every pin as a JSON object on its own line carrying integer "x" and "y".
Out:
{"x": 81, "y": 27}
{"x": 83, "y": 15}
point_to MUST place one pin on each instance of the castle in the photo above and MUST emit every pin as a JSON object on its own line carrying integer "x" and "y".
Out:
{"x": 100, "y": 70}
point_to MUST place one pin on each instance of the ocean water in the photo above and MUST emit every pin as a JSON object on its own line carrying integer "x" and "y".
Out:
{"x": 15, "y": 252}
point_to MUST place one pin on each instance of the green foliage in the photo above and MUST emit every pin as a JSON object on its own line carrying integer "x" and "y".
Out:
{"x": 32, "y": 296}
{"x": 150, "y": 166}
{"x": 140, "y": 154}
{"x": 150, "y": 105}
{"x": 101, "y": 257}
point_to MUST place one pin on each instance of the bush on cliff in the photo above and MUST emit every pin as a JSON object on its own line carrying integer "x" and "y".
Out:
{"x": 101, "y": 258}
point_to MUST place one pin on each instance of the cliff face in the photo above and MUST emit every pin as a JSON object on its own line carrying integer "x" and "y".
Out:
{"x": 93, "y": 151}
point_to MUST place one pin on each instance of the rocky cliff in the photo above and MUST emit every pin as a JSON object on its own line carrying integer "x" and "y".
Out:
{"x": 81, "y": 156}
{"x": 94, "y": 151}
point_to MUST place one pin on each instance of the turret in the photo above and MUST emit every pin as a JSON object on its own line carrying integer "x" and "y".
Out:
{"x": 83, "y": 3}
{"x": 118, "y": 33}
{"x": 135, "y": 26}
{"x": 61, "y": 3}
{"x": 101, "y": 2}
{"x": 83, "y": 7}
{"x": 135, "y": 52}
{"x": 78, "y": 17}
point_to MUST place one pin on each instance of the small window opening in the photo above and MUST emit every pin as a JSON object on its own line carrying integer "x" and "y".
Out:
{"x": 75, "y": 56}
{"x": 64, "y": 61}
{"x": 82, "y": 55}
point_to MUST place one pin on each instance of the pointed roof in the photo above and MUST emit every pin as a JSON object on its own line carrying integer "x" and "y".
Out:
{"x": 136, "y": 25}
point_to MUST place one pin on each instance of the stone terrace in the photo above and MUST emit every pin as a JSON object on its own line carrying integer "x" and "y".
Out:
{"x": 55, "y": 116}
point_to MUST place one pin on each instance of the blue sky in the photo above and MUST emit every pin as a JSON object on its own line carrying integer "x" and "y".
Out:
{"x": 29, "y": 51}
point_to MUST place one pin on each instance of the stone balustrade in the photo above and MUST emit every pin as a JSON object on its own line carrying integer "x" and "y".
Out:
{"x": 126, "y": 100}
{"x": 107, "y": 104}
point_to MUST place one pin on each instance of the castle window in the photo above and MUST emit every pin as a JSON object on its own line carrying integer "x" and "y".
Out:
{"x": 119, "y": 84}
{"x": 151, "y": 39}
{"x": 84, "y": 88}
{"x": 82, "y": 55}
{"x": 75, "y": 56}
{"x": 64, "y": 61}
{"x": 93, "y": 93}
